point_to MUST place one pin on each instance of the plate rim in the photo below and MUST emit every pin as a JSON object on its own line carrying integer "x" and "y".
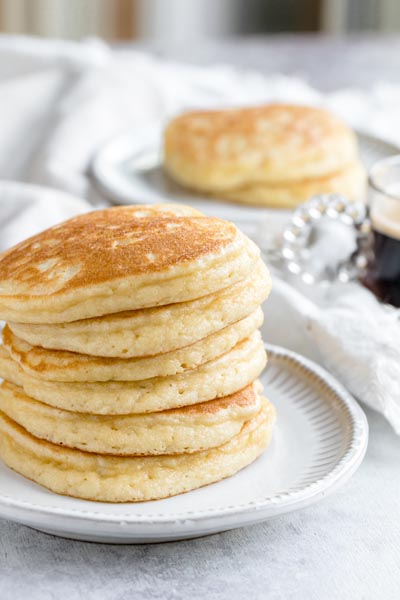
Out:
{"x": 270, "y": 506}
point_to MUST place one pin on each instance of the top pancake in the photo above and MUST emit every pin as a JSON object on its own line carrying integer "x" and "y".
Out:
{"x": 223, "y": 149}
{"x": 121, "y": 258}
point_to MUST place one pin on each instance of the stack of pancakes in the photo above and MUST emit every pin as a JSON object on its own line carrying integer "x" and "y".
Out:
{"x": 274, "y": 155}
{"x": 131, "y": 354}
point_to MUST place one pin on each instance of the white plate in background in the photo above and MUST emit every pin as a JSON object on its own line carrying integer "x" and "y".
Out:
{"x": 128, "y": 170}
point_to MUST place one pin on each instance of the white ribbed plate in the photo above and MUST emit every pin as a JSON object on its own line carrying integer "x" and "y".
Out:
{"x": 320, "y": 440}
{"x": 128, "y": 170}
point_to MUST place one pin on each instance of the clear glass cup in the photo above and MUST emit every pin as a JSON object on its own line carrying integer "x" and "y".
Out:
{"x": 375, "y": 260}
{"x": 383, "y": 269}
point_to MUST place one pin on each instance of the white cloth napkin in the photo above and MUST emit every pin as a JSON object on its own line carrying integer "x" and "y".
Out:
{"x": 59, "y": 100}
{"x": 26, "y": 209}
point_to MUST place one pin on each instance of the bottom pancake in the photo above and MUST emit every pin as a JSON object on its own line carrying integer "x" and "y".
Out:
{"x": 188, "y": 429}
{"x": 351, "y": 182}
{"x": 130, "y": 479}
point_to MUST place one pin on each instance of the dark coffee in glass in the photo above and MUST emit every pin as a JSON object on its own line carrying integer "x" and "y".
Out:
{"x": 376, "y": 259}
{"x": 383, "y": 268}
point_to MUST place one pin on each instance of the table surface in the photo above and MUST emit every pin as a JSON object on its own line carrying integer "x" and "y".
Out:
{"x": 346, "y": 547}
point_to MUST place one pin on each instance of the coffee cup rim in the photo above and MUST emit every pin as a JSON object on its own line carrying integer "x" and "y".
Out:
{"x": 394, "y": 159}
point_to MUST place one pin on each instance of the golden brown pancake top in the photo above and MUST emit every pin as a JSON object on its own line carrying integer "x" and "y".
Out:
{"x": 106, "y": 245}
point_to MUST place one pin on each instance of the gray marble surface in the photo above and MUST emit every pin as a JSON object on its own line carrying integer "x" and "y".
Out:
{"x": 346, "y": 547}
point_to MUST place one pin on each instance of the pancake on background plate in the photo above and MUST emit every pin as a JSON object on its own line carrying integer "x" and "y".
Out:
{"x": 273, "y": 155}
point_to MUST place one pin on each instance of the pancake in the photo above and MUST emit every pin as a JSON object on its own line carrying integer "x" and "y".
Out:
{"x": 60, "y": 365}
{"x": 221, "y": 150}
{"x": 130, "y": 479}
{"x": 188, "y": 429}
{"x": 148, "y": 331}
{"x": 350, "y": 181}
{"x": 120, "y": 259}
{"x": 166, "y": 210}
{"x": 223, "y": 376}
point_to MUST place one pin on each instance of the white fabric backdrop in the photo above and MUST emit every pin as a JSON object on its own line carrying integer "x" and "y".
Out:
{"x": 60, "y": 100}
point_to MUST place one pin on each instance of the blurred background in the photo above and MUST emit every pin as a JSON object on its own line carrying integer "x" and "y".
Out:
{"x": 177, "y": 20}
